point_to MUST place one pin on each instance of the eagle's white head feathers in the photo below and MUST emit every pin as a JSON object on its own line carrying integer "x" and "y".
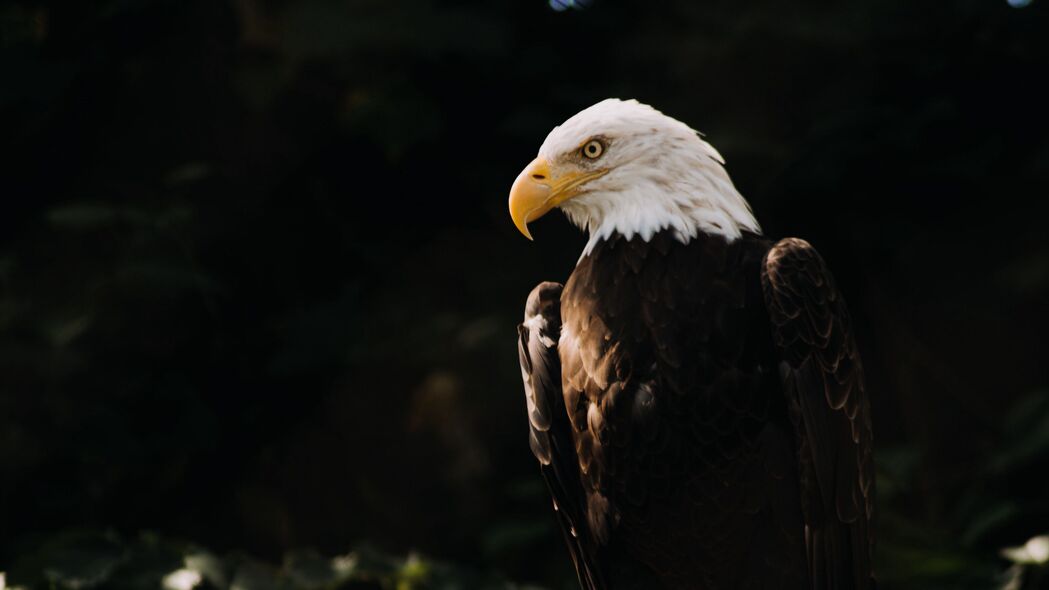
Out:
{"x": 623, "y": 167}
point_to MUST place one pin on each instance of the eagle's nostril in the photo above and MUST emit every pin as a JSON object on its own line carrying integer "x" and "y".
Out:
{"x": 539, "y": 177}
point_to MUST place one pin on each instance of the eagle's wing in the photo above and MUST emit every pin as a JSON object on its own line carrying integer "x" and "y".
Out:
{"x": 550, "y": 433}
{"x": 823, "y": 381}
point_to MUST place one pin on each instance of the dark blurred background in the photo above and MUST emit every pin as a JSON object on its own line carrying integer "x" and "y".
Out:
{"x": 259, "y": 288}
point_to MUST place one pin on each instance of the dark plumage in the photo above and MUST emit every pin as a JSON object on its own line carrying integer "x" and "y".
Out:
{"x": 699, "y": 415}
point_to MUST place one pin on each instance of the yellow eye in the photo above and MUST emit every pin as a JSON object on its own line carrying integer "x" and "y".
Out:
{"x": 593, "y": 149}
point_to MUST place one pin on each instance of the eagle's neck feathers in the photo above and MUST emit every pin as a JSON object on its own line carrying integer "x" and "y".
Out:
{"x": 684, "y": 189}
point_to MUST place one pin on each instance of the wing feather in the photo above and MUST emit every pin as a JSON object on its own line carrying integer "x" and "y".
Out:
{"x": 550, "y": 435}
{"x": 823, "y": 380}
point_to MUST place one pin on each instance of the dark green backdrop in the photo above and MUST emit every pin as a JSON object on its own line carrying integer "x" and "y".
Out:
{"x": 258, "y": 285}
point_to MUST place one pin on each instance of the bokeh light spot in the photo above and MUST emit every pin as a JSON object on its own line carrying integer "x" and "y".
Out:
{"x": 563, "y": 5}
{"x": 183, "y": 579}
{"x": 1019, "y": 3}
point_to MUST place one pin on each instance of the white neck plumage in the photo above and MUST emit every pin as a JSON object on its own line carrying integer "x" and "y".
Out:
{"x": 686, "y": 194}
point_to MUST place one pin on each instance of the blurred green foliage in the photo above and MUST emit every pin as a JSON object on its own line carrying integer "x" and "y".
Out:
{"x": 258, "y": 288}
{"x": 86, "y": 559}
{"x": 953, "y": 551}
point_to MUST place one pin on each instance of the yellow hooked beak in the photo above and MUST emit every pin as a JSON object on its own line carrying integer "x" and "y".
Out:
{"x": 536, "y": 191}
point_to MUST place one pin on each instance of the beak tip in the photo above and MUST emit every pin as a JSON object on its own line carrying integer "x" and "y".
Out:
{"x": 523, "y": 228}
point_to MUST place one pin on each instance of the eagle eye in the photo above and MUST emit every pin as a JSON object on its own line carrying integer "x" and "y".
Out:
{"x": 593, "y": 149}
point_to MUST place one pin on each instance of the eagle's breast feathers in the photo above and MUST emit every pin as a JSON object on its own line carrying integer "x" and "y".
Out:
{"x": 674, "y": 436}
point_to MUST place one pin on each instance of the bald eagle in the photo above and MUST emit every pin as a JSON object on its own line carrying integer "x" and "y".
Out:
{"x": 694, "y": 392}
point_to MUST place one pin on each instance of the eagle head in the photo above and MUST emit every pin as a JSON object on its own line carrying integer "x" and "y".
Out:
{"x": 623, "y": 167}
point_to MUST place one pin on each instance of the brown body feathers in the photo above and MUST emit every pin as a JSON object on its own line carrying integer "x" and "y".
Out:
{"x": 699, "y": 416}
